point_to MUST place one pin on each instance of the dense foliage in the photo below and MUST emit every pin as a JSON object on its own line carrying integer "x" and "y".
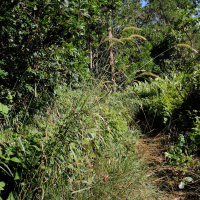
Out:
{"x": 80, "y": 79}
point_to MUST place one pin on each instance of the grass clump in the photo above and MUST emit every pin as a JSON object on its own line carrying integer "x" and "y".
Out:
{"x": 83, "y": 148}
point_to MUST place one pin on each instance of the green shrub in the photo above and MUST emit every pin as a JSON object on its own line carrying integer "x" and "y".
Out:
{"x": 178, "y": 155}
{"x": 158, "y": 99}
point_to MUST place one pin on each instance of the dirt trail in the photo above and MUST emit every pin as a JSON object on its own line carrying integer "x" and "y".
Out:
{"x": 166, "y": 177}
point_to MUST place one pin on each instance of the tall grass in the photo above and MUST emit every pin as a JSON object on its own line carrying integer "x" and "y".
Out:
{"x": 82, "y": 148}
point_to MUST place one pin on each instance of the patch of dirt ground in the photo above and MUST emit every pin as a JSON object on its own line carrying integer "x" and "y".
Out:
{"x": 167, "y": 177}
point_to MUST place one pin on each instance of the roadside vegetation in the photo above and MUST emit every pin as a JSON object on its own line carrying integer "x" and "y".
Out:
{"x": 85, "y": 86}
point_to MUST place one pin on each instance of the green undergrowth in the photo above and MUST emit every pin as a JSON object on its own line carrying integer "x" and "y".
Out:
{"x": 158, "y": 100}
{"x": 169, "y": 105}
{"x": 82, "y": 148}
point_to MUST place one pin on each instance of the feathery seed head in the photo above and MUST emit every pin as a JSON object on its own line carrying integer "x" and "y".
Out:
{"x": 186, "y": 45}
{"x": 131, "y": 27}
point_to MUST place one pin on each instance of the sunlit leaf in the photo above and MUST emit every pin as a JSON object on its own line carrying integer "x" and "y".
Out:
{"x": 14, "y": 159}
{"x": 3, "y": 109}
{"x": 11, "y": 197}
{"x": 17, "y": 176}
{"x": 2, "y": 184}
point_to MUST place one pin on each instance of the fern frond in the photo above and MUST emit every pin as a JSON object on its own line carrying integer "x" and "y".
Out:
{"x": 186, "y": 45}
{"x": 137, "y": 36}
{"x": 131, "y": 27}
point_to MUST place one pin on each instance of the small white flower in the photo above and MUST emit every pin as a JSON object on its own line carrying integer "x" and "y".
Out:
{"x": 181, "y": 185}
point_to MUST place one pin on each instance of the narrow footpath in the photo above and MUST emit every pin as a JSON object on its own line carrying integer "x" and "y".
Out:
{"x": 166, "y": 177}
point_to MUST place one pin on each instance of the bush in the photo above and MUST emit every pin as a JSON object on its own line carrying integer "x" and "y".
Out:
{"x": 157, "y": 101}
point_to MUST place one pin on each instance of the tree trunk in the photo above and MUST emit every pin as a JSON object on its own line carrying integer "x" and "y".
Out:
{"x": 35, "y": 85}
{"x": 91, "y": 57}
{"x": 112, "y": 69}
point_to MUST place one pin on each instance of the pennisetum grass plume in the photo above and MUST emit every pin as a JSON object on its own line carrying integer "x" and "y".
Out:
{"x": 122, "y": 39}
{"x": 131, "y": 27}
{"x": 103, "y": 37}
{"x": 139, "y": 36}
{"x": 187, "y": 46}
{"x": 150, "y": 74}
{"x": 125, "y": 39}
{"x": 114, "y": 39}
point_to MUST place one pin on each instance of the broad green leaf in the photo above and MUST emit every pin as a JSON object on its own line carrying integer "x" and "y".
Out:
{"x": 9, "y": 97}
{"x": 92, "y": 155}
{"x": 17, "y": 176}
{"x": 14, "y": 159}
{"x": 2, "y": 184}
{"x": 30, "y": 5}
{"x": 85, "y": 141}
{"x": 11, "y": 197}
{"x": 1, "y": 156}
{"x": 3, "y": 109}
